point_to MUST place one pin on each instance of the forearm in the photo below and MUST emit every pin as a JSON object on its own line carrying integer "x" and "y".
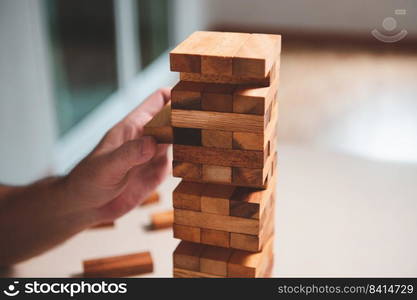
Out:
{"x": 37, "y": 217}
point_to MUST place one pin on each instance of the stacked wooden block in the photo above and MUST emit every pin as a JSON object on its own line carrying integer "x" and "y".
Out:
{"x": 224, "y": 116}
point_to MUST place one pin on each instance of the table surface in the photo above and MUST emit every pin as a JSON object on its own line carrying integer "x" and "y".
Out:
{"x": 337, "y": 215}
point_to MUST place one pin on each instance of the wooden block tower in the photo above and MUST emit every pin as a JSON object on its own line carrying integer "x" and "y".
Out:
{"x": 224, "y": 117}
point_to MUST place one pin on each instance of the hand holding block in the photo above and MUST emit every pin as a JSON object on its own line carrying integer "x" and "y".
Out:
{"x": 160, "y": 126}
{"x": 119, "y": 266}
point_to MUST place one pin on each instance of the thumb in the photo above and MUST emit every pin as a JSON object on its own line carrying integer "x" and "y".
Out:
{"x": 130, "y": 154}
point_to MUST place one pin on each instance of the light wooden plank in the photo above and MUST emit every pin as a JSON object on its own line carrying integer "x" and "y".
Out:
{"x": 186, "y": 57}
{"x": 182, "y": 273}
{"x": 215, "y": 237}
{"x": 220, "y": 157}
{"x": 213, "y": 260}
{"x": 187, "y": 233}
{"x": 187, "y": 256}
{"x": 119, "y": 266}
{"x": 217, "y": 120}
{"x": 187, "y": 195}
{"x": 217, "y": 222}
{"x": 187, "y": 170}
{"x": 216, "y": 138}
{"x": 218, "y": 174}
{"x": 219, "y": 58}
{"x": 257, "y": 55}
{"x": 161, "y": 220}
{"x": 215, "y": 199}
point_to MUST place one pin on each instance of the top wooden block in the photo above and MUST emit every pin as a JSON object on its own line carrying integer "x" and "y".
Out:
{"x": 227, "y": 54}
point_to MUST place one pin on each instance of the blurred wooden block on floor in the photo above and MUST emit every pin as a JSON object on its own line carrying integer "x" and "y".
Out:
{"x": 119, "y": 266}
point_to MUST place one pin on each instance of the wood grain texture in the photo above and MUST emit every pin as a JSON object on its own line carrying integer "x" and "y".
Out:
{"x": 182, "y": 273}
{"x": 254, "y": 99}
{"x": 186, "y": 57}
{"x": 161, "y": 220}
{"x": 187, "y": 233}
{"x": 213, "y": 260}
{"x": 248, "y": 141}
{"x": 256, "y": 57}
{"x": 217, "y": 102}
{"x": 215, "y": 237}
{"x": 249, "y": 264}
{"x": 220, "y": 157}
{"x": 187, "y": 195}
{"x": 160, "y": 126}
{"x": 119, "y": 266}
{"x": 217, "y": 222}
{"x": 218, "y": 174}
{"x": 219, "y": 58}
{"x": 217, "y": 120}
{"x": 216, "y": 138}
{"x": 216, "y": 199}
{"x": 215, "y": 78}
{"x": 187, "y": 170}
{"x": 187, "y": 95}
{"x": 226, "y": 53}
{"x": 187, "y": 256}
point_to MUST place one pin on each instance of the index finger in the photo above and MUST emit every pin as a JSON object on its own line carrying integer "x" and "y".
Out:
{"x": 149, "y": 108}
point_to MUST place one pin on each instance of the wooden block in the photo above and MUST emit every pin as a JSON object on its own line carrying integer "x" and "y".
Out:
{"x": 187, "y": 256}
{"x": 246, "y": 202}
{"x": 248, "y": 141}
{"x": 162, "y": 220}
{"x": 182, "y": 273}
{"x": 217, "y": 222}
{"x": 119, "y": 266}
{"x": 245, "y": 242}
{"x": 248, "y": 264}
{"x": 160, "y": 126}
{"x": 187, "y": 233}
{"x": 253, "y": 99}
{"x": 216, "y": 78}
{"x": 187, "y": 136}
{"x": 217, "y": 174}
{"x": 217, "y": 138}
{"x": 187, "y": 95}
{"x": 243, "y": 176}
{"x": 220, "y": 157}
{"x": 250, "y": 202}
{"x": 187, "y": 195}
{"x": 213, "y": 260}
{"x": 218, "y": 58}
{"x": 153, "y": 198}
{"x": 186, "y": 57}
{"x": 254, "y": 243}
{"x": 215, "y": 237}
{"x": 187, "y": 170}
{"x": 217, "y": 120}
{"x": 217, "y": 102}
{"x": 103, "y": 225}
{"x": 216, "y": 199}
{"x": 257, "y": 55}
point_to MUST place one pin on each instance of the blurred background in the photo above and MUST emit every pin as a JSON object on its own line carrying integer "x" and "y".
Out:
{"x": 347, "y": 186}
{"x": 72, "y": 68}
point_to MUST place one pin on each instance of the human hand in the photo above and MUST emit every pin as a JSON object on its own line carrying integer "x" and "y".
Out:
{"x": 123, "y": 169}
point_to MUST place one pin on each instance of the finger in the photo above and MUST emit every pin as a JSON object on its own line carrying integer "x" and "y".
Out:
{"x": 130, "y": 154}
{"x": 149, "y": 108}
